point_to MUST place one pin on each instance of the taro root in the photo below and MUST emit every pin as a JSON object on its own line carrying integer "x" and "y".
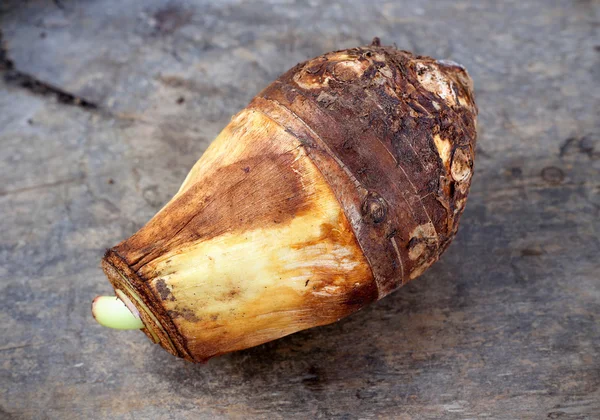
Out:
{"x": 341, "y": 181}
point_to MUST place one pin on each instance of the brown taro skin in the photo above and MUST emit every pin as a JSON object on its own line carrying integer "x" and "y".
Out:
{"x": 341, "y": 181}
{"x": 395, "y": 135}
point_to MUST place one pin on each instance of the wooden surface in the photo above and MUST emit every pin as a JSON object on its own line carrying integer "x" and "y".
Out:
{"x": 106, "y": 106}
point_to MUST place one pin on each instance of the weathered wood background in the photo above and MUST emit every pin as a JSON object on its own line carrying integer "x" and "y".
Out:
{"x": 104, "y": 107}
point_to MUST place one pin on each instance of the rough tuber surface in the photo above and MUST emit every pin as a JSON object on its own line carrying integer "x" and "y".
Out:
{"x": 340, "y": 182}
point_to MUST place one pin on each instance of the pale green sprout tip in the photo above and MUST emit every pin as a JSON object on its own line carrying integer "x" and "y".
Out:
{"x": 111, "y": 312}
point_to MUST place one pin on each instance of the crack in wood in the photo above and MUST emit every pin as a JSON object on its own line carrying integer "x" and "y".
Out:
{"x": 39, "y": 186}
{"x": 15, "y": 77}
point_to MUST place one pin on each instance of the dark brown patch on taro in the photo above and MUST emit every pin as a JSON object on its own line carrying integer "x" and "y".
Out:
{"x": 232, "y": 294}
{"x": 184, "y": 313}
{"x": 229, "y": 200}
{"x": 361, "y": 294}
{"x": 163, "y": 290}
